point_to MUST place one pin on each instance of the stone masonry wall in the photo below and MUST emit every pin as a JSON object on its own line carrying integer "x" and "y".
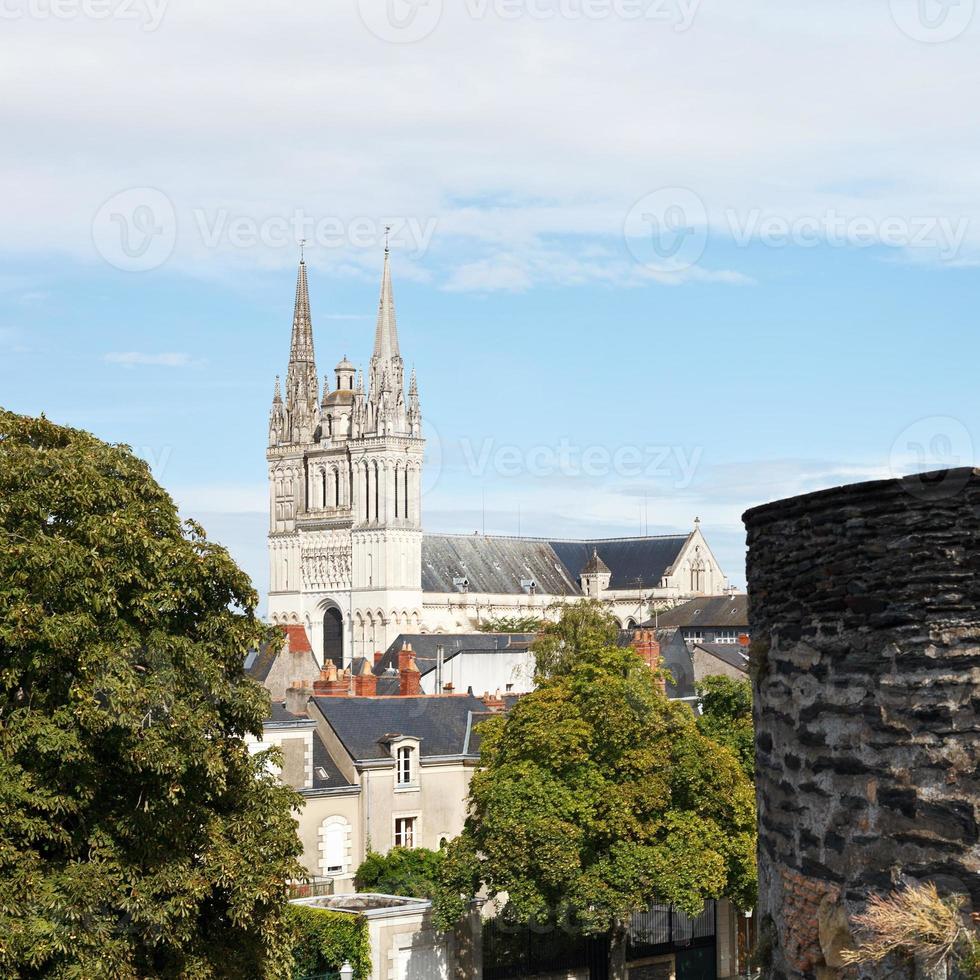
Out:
{"x": 864, "y": 603}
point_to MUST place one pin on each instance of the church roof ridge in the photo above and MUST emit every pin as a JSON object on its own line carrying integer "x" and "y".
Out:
{"x": 536, "y": 538}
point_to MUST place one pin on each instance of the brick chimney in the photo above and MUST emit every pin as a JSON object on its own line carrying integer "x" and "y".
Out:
{"x": 331, "y": 684}
{"x": 409, "y": 675}
{"x": 378, "y": 657}
{"x": 494, "y": 702}
{"x": 646, "y": 644}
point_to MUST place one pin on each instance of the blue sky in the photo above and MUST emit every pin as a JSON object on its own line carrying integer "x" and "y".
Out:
{"x": 643, "y": 273}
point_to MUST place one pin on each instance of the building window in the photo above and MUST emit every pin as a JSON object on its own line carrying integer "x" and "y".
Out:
{"x": 726, "y": 636}
{"x": 335, "y": 835}
{"x": 405, "y": 831}
{"x": 404, "y": 766}
{"x": 695, "y": 636}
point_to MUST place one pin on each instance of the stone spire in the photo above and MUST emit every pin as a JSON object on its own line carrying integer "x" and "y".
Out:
{"x": 302, "y": 383}
{"x": 386, "y": 358}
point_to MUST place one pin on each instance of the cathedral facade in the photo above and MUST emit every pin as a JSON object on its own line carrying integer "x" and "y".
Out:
{"x": 348, "y": 557}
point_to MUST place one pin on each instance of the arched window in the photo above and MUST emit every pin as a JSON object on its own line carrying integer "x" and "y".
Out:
{"x": 367, "y": 492}
{"x": 336, "y": 487}
{"x": 397, "y": 508}
{"x": 405, "y": 477}
{"x": 335, "y": 847}
{"x": 323, "y": 487}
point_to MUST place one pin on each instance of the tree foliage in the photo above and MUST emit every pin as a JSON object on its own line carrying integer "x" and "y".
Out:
{"x": 726, "y": 717}
{"x": 324, "y": 940}
{"x": 139, "y": 836}
{"x": 583, "y": 629}
{"x": 512, "y": 624}
{"x": 412, "y": 872}
{"x": 597, "y": 795}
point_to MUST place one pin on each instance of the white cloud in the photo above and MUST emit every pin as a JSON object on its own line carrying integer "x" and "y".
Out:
{"x": 523, "y": 139}
{"x": 138, "y": 358}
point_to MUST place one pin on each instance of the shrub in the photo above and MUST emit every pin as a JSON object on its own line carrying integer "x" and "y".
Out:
{"x": 325, "y": 940}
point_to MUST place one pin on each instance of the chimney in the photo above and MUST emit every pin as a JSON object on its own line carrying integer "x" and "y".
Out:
{"x": 494, "y": 702}
{"x": 409, "y": 676}
{"x": 365, "y": 685}
{"x": 378, "y": 657}
{"x": 331, "y": 684}
{"x": 405, "y": 655}
{"x": 297, "y": 694}
{"x": 448, "y": 688}
{"x": 646, "y": 644}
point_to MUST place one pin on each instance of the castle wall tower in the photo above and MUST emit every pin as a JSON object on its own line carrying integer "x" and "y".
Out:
{"x": 345, "y": 493}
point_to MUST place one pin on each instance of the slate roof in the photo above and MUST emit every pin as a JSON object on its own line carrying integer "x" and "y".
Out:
{"x": 440, "y": 722}
{"x": 496, "y": 564}
{"x": 425, "y": 645}
{"x": 634, "y": 562}
{"x": 321, "y": 760}
{"x": 493, "y": 564}
{"x": 279, "y": 715}
{"x": 730, "y": 653}
{"x": 713, "y": 611}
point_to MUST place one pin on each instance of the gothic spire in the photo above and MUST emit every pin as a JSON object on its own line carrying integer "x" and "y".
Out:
{"x": 302, "y": 383}
{"x": 301, "y": 347}
{"x": 386, "y": 334}
{"x": 277, "y": 394}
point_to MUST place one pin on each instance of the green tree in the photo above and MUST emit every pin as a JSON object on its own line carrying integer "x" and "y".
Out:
{"x": 597, "y": 795}
{"x": 511, "y": 624}
{"x": 584, "y": 628}
{"x": 726, "y": 717}
{"x": 139, "y": 836}
{"x": 402, "y": 871}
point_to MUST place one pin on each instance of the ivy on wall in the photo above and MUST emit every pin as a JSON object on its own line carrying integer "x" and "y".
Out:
{"x": 325, "y": 940}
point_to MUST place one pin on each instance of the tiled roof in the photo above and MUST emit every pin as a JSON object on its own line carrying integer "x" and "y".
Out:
{"x": 498, "y": 565}
{"x": 717, "y": 611}
{"x": 299, "y": 642}
{"x": 440, "y": 723}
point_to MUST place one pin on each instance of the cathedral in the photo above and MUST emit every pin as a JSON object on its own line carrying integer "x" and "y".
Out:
{"x": 348, "y": 557}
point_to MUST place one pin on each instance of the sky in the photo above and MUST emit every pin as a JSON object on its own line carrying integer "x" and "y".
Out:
{"x": 653, "y": 259}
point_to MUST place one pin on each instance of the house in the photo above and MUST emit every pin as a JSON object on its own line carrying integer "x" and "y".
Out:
{"x": 707, "y": 619}
{"x": 375, "y": 770}
{"x": 477, "y": 662}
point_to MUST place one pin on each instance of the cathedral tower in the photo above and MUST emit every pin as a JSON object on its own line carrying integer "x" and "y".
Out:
{"x": 345, "y": 532}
